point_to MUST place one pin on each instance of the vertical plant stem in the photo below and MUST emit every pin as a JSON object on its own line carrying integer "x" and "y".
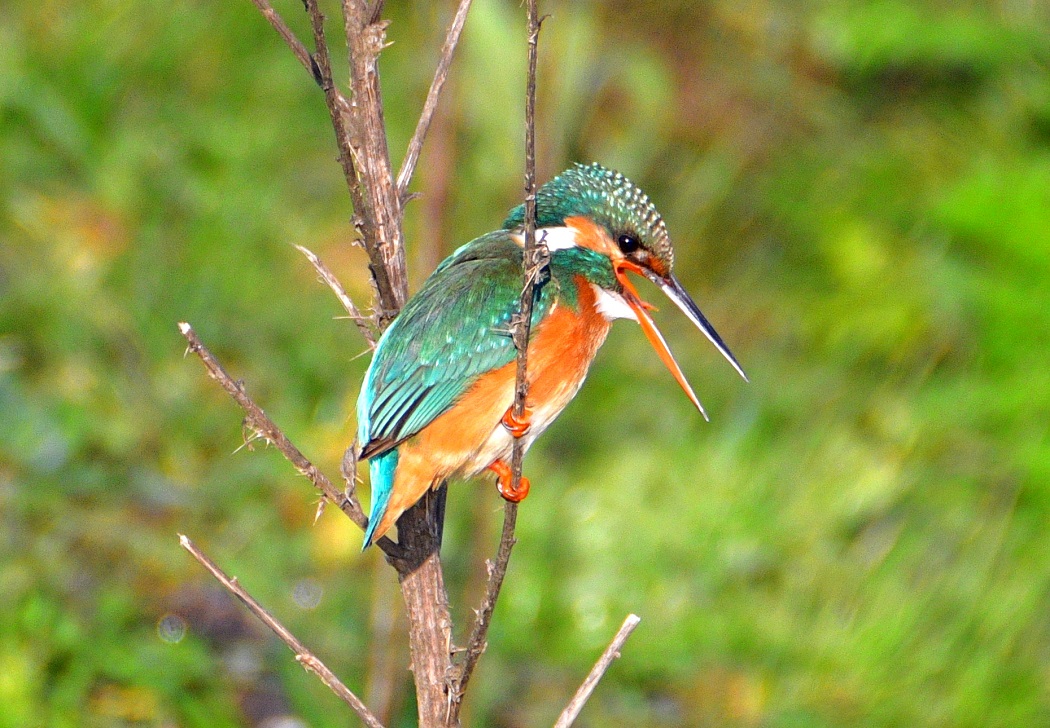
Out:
{"x": 534, "y": 257}
{"x": 419, "y": 529}
{"x": 426, "y": 606}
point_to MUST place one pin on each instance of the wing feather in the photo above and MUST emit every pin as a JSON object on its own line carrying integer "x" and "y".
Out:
{"x": 449, "y": 334}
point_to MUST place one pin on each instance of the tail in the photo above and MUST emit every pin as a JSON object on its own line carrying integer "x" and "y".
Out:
{"x": 381, "y": 468}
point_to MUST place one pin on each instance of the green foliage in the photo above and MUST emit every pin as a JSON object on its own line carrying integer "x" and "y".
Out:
{"x": 858, "y": 194}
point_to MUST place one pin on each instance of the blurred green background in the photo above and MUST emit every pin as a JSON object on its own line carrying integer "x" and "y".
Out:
{"x": 860, "y": 197}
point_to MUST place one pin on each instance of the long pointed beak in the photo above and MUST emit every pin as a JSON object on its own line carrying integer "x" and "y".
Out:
{"x": 681, "y": 298}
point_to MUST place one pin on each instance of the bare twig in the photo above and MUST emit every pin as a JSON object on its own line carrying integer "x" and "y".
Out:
{"x": 306, "y": 658}
{"x": 572, "y": 710}
{"x": 534, "y": 257}
{"x": 408, "y": 165}
{"x": 298, "y": 49}
{"x": 360, "y": 320}
{"x": 261, "y": 423}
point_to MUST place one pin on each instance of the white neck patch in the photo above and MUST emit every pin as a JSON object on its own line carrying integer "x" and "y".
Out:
{"x": 612, "y": 305}
{"x": 555, "y": 238}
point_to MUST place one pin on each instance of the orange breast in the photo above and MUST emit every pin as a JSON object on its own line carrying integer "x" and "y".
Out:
{"x": 562, "y": 352}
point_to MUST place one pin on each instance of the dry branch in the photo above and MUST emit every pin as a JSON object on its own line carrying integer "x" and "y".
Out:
{"x": 347, "y": 122}
{"x": 381, "y": 206}
{"x": 260, "y": 422}
{"x": 302, "y": 655}
{"x": 535, "y": 255}
{"x": 611, "y": 653}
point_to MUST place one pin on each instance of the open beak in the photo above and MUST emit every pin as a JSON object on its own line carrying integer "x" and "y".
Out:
{"x": 681, "y": 298}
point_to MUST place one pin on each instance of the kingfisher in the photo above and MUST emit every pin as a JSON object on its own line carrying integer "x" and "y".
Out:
{"x": 438, "y": 397}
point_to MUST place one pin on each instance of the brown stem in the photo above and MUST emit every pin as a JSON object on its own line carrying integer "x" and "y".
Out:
{"x": 408, "y": 166}
{"x": 534, "y": 257}
{"x": 611, "y": 653}
{"x": 260, "y": 422}
{"x": 365, "y": 38}
{"x": 426, "y": 607}
{"x": 305, "y": 658}
{"x": 361, "y": 182}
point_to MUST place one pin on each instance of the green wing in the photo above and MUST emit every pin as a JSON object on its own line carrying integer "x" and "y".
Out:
{"x": 449, "y": 334}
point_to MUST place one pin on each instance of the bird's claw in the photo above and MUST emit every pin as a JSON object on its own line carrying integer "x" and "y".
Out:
{"x": 517, "y": 426}
{"x": 505, "y": 482}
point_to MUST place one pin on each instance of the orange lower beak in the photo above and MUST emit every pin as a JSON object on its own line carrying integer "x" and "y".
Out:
{"x": 641, "y": 311}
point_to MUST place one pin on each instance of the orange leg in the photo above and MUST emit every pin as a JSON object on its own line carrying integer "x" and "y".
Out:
{"x": 505, "y": 482}
{"x": 518, "y": 426}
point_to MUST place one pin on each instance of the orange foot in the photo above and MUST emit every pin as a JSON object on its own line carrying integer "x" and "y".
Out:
{"x": 518, "y": 426}
{"x": 505, "y": 482}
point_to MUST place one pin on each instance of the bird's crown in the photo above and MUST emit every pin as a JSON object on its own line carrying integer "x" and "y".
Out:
{"x": 606, "y": 197}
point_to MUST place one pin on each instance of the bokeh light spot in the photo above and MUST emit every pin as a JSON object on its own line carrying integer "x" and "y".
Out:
{"x": 171, "y": 628}
{"x": 307, "y": 593}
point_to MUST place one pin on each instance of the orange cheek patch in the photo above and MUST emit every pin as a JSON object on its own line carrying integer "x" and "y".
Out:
{"x": 591, "y": 235}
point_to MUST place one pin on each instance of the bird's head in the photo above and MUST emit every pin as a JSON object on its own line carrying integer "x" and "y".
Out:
{"x": 594, "y": 207}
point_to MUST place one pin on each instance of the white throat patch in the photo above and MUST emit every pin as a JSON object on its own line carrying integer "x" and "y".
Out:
{"x": 612, "y": 305}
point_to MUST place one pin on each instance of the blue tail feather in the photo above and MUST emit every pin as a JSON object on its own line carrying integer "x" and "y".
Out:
{"x": 381, "y": 469}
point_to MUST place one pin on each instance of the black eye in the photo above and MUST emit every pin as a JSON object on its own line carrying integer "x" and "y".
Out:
{"x": 628, "y": 243}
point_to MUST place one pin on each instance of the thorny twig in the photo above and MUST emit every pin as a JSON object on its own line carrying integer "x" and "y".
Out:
{"x": 261, "y": 423}
{"x": 380, "y": 205}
